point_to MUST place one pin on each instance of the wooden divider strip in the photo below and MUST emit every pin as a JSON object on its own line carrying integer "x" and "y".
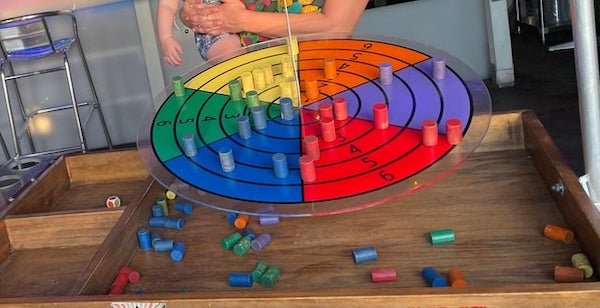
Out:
{"x": 117, "y": 166}
{"x": 4, "y": 242}
{"x": 574, "y": 204}
{"x": 119, "y": 246}
{"x": 60, "y": 230}
{"x": 40, "y": 198}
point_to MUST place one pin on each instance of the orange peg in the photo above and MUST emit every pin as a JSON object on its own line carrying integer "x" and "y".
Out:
{"x": 329, "y": 68}
{"x": 241, "y": 221}
{"x": 558, "y": 233}
{"x": 312, "y": 89}
{"x": 457, "y": 278}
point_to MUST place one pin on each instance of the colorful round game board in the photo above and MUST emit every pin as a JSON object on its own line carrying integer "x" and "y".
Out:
{"x": 362, "y": 168}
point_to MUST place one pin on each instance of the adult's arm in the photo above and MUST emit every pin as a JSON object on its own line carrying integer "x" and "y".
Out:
{"x": 200, "y": 16}
{"x": 337, "y": 16}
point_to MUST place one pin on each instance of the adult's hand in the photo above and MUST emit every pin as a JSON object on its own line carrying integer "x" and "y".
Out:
{"x": 232, "y": 14}
{"x": 337, "y": 16}
{"x": 201, "y": 17}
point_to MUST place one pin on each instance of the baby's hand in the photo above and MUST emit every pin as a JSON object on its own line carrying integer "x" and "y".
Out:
{"x": 171, "y": 51}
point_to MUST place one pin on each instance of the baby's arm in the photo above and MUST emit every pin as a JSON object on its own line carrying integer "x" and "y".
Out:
{"x": 165, "y": 17}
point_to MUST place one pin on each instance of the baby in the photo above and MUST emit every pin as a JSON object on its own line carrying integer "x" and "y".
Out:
{"x": 208, "y": 46}
{"x": 212, "y": 46}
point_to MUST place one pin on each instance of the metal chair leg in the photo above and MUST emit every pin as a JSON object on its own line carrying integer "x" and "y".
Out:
{"x": 82, "y": 141}
{"x": 518, "y": 11}
{"x": 11, "y": 119}
{"x": 542, "y": 22}
{"x": 4, "y": 148}
{"x": 22, "y": 108}
{"x": 94, "y": 95}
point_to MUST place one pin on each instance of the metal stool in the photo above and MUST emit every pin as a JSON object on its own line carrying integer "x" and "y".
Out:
{"x": 28, "y": 38}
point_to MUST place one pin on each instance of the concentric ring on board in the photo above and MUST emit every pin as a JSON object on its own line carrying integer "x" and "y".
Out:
{"x": 364, "y": 167}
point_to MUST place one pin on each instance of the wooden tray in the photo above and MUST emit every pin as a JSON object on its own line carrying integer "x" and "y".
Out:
{"x": 58, "y": 224}
{"x": 497, "y": 203}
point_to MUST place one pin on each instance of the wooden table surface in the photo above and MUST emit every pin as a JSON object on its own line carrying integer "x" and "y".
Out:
{"x": 495, "y": 203}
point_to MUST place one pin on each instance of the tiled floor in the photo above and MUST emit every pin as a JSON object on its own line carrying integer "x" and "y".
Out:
{"x": 546, "y": 83}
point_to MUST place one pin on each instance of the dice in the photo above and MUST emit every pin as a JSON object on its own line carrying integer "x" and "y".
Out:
{"x": 113, "y": 201}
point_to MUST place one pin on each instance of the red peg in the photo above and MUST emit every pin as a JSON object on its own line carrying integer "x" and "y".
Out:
{"x": 328, "y": 129}
{"x": 119, "y": 284}
{"x": 430, "y": 133}
{"x": 340, "y": 108}
{"x": 380, "y": 116}
{"x": 307, "y": 169}
{"x": 132, "y": 275}
{"x": 383, "y": 274}
{"x": 454, "y": 131}
{"x": 325, "y": 110}
{"x": 311, "y": 147}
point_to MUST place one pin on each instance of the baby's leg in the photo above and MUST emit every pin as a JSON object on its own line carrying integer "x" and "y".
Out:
{"x": 204, "y": 42}
{"x": 227, "y": 47}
